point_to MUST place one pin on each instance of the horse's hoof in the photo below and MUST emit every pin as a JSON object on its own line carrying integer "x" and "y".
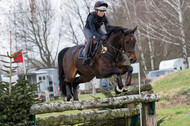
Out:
{"x": 69, "y": 97}
{"x": 117, "y": 90}
{"x": 125, "y": 89}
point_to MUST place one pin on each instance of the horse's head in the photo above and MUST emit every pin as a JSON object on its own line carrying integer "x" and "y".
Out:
{"x": 128, "y": 44}
{"x": 123, "y": 39}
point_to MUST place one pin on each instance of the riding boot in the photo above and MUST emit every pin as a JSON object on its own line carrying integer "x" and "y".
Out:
{"x": 85, "y": 60}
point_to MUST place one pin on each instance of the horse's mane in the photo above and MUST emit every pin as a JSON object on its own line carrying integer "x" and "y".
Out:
{"x": 113, "y": 29}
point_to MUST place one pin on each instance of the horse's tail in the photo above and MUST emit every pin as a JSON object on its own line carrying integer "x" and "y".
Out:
{"x": 61, "y": 71}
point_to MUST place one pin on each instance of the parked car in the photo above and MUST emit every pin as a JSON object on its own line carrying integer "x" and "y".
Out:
{"x": 156, "y": 74}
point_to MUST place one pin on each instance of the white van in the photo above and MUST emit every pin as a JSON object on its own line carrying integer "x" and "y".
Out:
{"x": 174, "y": 64}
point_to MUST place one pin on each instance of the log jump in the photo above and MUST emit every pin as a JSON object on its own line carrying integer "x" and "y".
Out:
{"x": 107, "y": 104}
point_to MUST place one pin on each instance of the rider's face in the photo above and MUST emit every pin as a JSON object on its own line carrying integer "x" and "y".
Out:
{"x": 100, "y": 13}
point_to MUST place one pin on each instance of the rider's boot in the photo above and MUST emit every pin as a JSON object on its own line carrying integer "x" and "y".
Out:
{"x": 87, "y": 60}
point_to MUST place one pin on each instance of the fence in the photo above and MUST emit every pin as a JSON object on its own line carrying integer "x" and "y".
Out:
{"x": 112, "y": 109}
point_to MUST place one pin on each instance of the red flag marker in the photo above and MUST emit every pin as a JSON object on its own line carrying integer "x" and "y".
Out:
{"x": 18, "y": 59}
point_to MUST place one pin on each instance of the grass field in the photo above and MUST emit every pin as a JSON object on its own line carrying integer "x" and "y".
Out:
{"x": 174, "y": 116}
{"x": 174, "y": 106}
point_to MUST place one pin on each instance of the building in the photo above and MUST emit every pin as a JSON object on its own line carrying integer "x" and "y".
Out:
{"x": 48, "y": 78}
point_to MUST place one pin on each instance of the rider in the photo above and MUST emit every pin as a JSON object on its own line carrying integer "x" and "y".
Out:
{"x": 93, "y": 26}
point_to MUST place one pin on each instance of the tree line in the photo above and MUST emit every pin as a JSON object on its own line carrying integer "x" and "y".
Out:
{"x": 43, "y": 29}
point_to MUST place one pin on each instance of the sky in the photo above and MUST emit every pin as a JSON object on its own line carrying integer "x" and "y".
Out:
{"x": 8, "y": 6}
{"x": 6, "y": 9}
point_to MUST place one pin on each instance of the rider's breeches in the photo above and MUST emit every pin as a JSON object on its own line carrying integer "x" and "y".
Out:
{"x": 88, "y": 34}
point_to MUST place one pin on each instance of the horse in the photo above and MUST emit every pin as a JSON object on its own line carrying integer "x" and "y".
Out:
{"x": 120, "y": 41}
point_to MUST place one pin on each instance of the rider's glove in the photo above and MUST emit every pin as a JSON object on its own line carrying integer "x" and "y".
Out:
{"x": 103, "y": 38}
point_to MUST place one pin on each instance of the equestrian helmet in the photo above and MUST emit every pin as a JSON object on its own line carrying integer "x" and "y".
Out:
{"x": 100, "y": 5}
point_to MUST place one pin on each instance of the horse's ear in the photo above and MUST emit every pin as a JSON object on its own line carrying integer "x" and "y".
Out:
{"x": 127, "y": 32}
{"x": 133, "y": 31}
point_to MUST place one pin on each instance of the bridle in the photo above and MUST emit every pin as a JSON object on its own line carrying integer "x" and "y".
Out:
{"x": 122, "y": 46}
{"x": 122, "y": 50}
{"x": 123, "y": 43}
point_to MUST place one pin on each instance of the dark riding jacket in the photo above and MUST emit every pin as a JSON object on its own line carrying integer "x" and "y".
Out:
{"x": 94, "y": 22}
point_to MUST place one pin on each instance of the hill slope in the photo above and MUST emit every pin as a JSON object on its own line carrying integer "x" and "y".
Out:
{"x": 174, "y": 105}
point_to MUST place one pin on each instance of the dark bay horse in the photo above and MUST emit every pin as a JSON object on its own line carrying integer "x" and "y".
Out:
{"x": 119, "y": 41}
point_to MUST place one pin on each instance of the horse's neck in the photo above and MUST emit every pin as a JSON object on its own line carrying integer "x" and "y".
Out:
{"x": 114, "y": 42}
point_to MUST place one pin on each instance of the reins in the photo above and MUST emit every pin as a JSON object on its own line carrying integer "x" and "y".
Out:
{"x": 117, "y": 52}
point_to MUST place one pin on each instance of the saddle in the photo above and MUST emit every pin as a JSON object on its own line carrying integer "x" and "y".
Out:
{"x": 93, "y": 47}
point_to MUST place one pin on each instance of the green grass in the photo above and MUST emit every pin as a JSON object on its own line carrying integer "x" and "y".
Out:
{"x": 89, "y": 96}
{"x": 172, "y": 82}
{"x": 171, "y": 87}
{"x": 175, "y": 116}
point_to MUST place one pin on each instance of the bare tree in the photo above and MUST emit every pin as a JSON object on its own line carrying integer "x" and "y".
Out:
{"x": 76, "y": 13}
{"x": 35, "y": 23}
{"x": 158, "y": 35}
{"x": 168, "y": 24}
{"x": 133, "y": 15}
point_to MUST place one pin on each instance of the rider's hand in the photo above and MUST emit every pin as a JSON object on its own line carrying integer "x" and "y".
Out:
{"x": 103, "y": 38}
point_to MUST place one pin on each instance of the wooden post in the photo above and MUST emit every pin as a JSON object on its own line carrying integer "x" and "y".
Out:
{"x": 129, "y": 119}
{"x": 147, "y": 118}
{"x": 47, "y": 96}
{"x": 10, "y": 80}
{"x": 93, "y": 90}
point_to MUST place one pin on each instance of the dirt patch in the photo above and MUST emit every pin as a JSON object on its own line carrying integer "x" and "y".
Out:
{"x": 162, "y": 77}
{"x": 179, "y": 75}
{"x": 174, "y": 100}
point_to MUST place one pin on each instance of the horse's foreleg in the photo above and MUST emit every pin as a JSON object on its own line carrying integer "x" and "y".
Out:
{"x": 119, "y": 82}
{"x": 129, "y": 75}
{"x": 68, "y": 88}
{"x": 119, "y": 79}
{"x": 119, "y": 88}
